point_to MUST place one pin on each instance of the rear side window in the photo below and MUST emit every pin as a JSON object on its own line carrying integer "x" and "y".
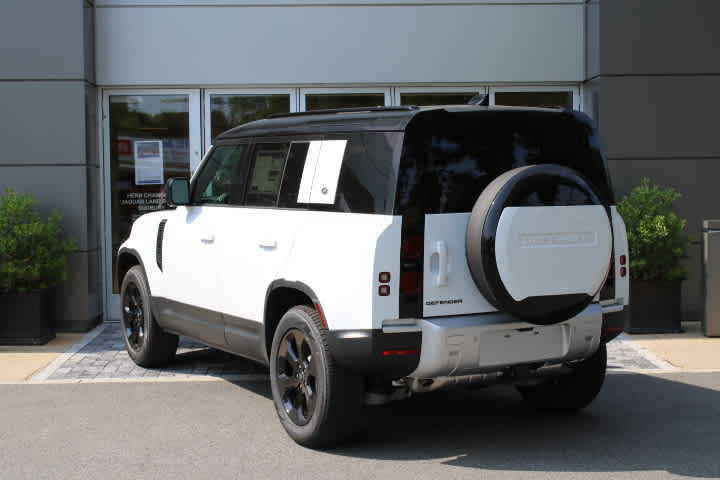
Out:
{"x": 450, "y": 157}
{"x": 366, "y": 181}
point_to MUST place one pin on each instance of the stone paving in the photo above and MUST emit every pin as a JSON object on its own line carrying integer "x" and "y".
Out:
{"x": 105, "y": 357}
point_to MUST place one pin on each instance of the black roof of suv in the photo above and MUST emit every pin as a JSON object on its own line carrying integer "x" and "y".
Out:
{"x": 356, "y": 120}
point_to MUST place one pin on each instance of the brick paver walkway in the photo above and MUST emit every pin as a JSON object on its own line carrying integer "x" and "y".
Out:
{"x": 105, "y": 357}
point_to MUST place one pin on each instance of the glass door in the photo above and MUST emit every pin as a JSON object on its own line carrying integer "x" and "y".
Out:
{"x": 149, "y": 136}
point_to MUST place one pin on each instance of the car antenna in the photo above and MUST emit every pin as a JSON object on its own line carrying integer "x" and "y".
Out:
{"x": 482, "y": 100}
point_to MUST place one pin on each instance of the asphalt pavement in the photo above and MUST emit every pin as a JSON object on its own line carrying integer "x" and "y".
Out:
{"x": 641, "y": 427}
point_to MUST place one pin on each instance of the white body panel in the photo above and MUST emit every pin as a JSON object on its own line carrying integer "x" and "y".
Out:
{"x": 251, "y": 248}
{"x": 189, "y": 272}
{"x": 340, "y": 256}
{"x": 622, "y": 284}
{"x": 232, "y": 273}
{"x": 565, "y": 248}
{"x": 441, "y": 293}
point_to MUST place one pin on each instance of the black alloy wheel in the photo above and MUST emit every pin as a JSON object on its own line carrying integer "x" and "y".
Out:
{"x": 297, "y": 376}
{"x": 134, "y": 317}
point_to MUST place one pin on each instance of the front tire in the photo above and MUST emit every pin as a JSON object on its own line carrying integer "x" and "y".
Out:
{"x": 318, "y": 403}
{"x": 147, "y": 344}
{"x": 572, "y": 392}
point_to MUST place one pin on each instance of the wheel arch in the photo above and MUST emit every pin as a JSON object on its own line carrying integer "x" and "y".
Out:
{"x": 281, "y": 296}
{"x": 126, "y": 259}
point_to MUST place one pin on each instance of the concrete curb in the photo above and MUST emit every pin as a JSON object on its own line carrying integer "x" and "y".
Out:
{"x": 45, "y": 373}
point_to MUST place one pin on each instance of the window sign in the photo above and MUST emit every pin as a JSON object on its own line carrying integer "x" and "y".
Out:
{"x": 321, "y": 172}
{"x": 149, "y": 162}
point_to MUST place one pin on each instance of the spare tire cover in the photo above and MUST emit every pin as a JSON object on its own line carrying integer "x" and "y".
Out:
{"x": 539, "y": 243}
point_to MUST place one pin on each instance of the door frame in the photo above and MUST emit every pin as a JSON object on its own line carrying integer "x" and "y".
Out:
{"x": 111, "y": 301}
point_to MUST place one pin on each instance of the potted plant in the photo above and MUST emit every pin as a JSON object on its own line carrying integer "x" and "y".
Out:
{"x": 658, "y": 244}
{"x": 32, "y": 262}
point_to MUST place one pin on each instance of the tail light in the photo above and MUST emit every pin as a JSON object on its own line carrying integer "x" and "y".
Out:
{"x": 411, "y": 253}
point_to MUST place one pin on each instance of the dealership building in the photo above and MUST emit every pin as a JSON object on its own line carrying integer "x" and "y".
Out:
{"x": 93, "y": 93}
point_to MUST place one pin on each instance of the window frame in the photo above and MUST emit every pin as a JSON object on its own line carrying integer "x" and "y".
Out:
{"x": 303, "y": 92}
{"x": 477, "y": 89}
{"x": 574, "y": 91}
{"x": 241, "y": 92}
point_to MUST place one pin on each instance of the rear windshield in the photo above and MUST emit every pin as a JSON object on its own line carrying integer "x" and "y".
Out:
{"x": 449, "y": 158}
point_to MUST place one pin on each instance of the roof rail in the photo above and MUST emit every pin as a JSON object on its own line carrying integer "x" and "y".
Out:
{"x": 403, "y": 108}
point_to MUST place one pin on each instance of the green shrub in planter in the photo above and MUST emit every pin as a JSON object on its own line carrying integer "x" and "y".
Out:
{"x": 32, "y": 261}
{"x": 658, "y": 244}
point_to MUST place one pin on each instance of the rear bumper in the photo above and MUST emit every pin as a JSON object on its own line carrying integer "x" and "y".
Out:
{"x": 468, "y": 344}
{"x": 479, "y": 343}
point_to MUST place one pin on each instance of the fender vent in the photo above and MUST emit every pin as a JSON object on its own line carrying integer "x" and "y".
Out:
{"x": 159, "y": 244}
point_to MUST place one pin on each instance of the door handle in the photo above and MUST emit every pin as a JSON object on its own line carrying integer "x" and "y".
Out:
{"x": 207, "y": 238}
{"x": 442, "y": 276}
{"x": 268, "y": 244}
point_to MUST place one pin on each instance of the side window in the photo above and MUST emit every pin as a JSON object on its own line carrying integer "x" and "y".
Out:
{"x": 367, "y": 178}
{"x": 223, "y": 177}
{"x": 294, "y": 166}
{"x": 353, "y": 174}
{"x": 267, "y": 173}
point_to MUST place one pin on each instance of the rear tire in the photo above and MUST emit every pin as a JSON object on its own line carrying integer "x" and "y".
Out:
{"x": 147, "y": 344}
{"x": 318, "y": 403}
{"x": 572, "y": 392}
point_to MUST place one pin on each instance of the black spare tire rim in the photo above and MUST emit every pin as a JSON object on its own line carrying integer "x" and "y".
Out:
{"x": 134, "y": 317}
{"x": 296, "y": 378}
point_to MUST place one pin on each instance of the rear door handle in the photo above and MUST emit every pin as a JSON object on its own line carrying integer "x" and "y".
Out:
{"x": 442, "y": 275}
{"x": 268, "y": 244}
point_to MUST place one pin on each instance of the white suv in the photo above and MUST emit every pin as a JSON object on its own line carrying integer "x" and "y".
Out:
{"x": 368, "y": 254}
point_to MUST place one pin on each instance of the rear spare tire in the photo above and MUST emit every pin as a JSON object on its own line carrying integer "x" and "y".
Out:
{"x": 539, "y": 243}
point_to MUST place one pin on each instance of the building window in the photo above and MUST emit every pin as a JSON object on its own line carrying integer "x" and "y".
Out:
{"x": 535, "y": 99}
{"x": 436, "y": 98}
{"x": 228, "y": 110}
{"x": 330, "y": 98}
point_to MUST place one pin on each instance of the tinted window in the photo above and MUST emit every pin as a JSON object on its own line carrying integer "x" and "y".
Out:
{"x": 367, "y": 176}
{"x": 267, "y": 170}
{"x": 449, "y": 158}
{"x": 222, "y": 178}
{"x": 292, "y": 175}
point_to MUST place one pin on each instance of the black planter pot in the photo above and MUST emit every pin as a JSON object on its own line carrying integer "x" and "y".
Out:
{"x": 25, "y": 319}
{"x": 654, "y": 306}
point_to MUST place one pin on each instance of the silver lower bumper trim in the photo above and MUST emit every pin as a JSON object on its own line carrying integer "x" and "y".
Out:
{"x": 465, "y": 345}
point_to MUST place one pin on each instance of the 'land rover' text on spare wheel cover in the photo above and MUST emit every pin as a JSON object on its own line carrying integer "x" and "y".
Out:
{"x": 539, "y": 243}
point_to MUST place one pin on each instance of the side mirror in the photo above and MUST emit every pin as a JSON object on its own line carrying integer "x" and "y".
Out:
{"x": 177, "y": 191}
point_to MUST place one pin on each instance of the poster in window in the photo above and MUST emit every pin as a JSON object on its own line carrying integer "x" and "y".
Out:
{"x": 149, "y": 162}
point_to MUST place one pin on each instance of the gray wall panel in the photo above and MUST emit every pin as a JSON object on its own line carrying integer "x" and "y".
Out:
{"x": 60, "y": 187}
{"x": 41, "y": 39}
{"x": 43, "y": 122}
{"x": 660, "y": 117}
{"x": 697, "y": 180}
{"x": 335, "y": 44}
{"x": 660, "y": 36}
{"x": 78, "y": 305}
{"x": 592, "y": 39}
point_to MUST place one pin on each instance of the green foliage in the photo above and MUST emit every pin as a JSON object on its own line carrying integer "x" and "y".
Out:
{"x": 32, "y": 252}
{"x": 657, "y": 237}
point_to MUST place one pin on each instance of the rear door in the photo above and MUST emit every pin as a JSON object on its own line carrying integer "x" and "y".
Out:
{"x": 449, "y": 159}
{"x": 254, "y": 243}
